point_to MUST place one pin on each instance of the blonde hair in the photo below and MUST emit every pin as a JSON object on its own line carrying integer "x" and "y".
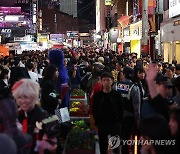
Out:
{"x": 101, "y": 59}
{"x": 26, "y": 87}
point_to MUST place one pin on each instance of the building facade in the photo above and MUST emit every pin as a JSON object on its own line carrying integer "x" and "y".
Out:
{"x": 69, "y": 6}
{"x": 58, "y": 22}
{"x": 170, "y": 30}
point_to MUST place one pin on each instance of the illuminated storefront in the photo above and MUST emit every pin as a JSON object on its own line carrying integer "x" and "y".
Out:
{"x": 170, "y": 34}
{"x": 135, "y": 37}
{"x": 14, "y": 23}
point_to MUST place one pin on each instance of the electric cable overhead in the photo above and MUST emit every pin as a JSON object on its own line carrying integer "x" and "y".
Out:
{"x": 86, "y": 7}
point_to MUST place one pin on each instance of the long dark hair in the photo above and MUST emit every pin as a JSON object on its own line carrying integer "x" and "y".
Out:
{"x": 137, "y": 70}
{"x": 49, "y": 72}
{"x": 8, "y": 117}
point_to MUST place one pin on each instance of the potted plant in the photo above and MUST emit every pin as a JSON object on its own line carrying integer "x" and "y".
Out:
{"x": 79, "y": 109}
{"x": 78, "y": 93}
{"x": 81, "y": 140}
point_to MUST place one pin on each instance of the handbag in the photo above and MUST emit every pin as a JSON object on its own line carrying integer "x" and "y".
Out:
{"x": 62, "y": 114}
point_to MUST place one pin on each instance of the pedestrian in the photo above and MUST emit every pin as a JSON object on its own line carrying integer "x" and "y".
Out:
{"x": 7, "y": 145}
{"x": 177, "y": 86}
{"x": 159, "y": 88}
{"x": 131, "y": 103}
{"x": 56, "y": 57}
{"x": 174, "y": 125}
{"x": 26, "y": 94}
{"x": 49, "y": 91}
{"x": 107, "y": 112}
{"x": 8, "y": 123}
{"x": 155, "y": 128}
{"x": 33, "y": 75}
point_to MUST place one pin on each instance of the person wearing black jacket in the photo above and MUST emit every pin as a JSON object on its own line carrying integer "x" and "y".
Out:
{"x": 159, "y": 87}
{"x": 107, "y": 112}
{"x": 49, "y": 94}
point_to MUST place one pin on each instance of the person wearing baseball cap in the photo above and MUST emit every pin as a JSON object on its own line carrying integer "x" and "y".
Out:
{"x": 164, "y": 80}
{"x": 159, "y": 88}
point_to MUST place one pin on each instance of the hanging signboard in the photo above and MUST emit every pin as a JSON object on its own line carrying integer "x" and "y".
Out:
{"x": 108, "y": 2}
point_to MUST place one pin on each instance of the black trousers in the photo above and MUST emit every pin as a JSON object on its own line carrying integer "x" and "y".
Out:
{"x": 127, "y": 131}
{"x": 103, "y": 132}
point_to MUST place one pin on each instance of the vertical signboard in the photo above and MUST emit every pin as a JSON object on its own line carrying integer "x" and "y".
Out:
{"x": 34, "y": 13}
{"x": 97, "y": 16}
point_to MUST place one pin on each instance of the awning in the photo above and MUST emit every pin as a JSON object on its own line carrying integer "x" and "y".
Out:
{"x": 124, "y": 21}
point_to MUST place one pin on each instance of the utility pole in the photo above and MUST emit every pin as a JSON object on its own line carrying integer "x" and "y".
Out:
{"x": 145, "y": 28}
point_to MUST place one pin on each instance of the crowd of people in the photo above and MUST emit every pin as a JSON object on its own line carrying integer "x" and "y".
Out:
{"x": 127, "y": 96}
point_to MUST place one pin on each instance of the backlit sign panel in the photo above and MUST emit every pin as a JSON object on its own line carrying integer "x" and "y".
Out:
{"x": 34, "y": 13}
{"x": 1, "y": 18}
{"x": 57, "y": 37}
{"x": 14, "y": 18}
{"x": 98, "y": 27}
{"x": 108, "y": 2}
{"x": 174, "y": 8}
{"x": 5, "y": 30}
{"x": 72, "y": 34}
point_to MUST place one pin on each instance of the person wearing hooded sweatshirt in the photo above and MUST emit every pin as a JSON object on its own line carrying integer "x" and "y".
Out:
{"x": 56, "y": 57}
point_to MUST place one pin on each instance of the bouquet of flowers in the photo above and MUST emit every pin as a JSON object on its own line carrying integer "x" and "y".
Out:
{"x": 79, "y": 109}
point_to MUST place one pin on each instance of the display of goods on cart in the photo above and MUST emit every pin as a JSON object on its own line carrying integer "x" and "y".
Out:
{"x": 78, "y": 93}
{"x": 81, "y": 139}
{"x": 79, "y": 109}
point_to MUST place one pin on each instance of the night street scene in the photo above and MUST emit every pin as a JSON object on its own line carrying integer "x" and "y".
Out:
{"x": 89, "y": 76}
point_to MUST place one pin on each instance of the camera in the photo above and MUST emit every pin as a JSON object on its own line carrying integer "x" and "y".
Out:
{"x": 52, "y": 127}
